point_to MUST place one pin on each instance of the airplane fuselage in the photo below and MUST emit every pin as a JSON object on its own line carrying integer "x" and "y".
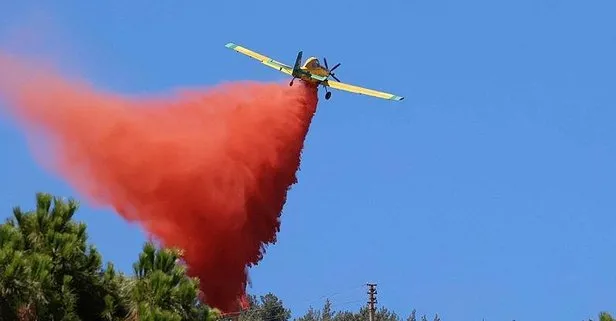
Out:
{"x": 308, "y": 70}
{"x": 312, "y": 66}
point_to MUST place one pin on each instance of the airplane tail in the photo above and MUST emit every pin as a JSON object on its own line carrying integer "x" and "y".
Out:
{"x": 298, "y": 62}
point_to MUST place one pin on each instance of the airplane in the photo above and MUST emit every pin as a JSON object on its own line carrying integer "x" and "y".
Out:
{"x": 312, "y": 72}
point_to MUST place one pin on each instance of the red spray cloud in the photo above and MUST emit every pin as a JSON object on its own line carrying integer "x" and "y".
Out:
{"x": 207, "y": 171}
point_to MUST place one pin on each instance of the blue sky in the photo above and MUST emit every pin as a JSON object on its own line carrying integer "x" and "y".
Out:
{"x": 486, "y": 193}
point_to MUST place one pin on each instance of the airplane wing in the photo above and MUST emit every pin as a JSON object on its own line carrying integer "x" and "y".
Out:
{"x": 361, "y": 90}
{"x": 317, "y": 77}
{"x": 263, "y": 59}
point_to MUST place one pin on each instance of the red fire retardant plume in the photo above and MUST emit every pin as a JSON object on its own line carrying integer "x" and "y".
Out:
{"x": 207, "y": 171}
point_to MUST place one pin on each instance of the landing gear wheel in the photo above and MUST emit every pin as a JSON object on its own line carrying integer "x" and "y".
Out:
{"x": 328, "y": 95}
{"x": 291, "y": 83}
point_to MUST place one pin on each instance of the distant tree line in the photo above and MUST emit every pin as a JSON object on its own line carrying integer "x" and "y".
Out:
{"x": 49, "y": 272}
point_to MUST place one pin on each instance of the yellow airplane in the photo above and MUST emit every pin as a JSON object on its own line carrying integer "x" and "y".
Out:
{"x": 313, "y": 72}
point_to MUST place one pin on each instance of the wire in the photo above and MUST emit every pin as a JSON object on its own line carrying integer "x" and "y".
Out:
{"x": 251, "y": 312}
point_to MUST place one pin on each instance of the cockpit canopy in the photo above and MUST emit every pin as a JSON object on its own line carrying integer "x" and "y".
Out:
{"x": 312, "y": 62}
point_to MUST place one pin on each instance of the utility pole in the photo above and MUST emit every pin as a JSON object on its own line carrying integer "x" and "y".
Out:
{"x": 371, "y": 300}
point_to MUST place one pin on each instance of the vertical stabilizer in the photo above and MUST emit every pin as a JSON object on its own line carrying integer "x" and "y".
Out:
{"x": 298, "y": 63}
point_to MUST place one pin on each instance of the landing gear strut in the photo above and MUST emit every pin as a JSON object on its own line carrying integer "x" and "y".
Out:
{"x": 328, "y": 94}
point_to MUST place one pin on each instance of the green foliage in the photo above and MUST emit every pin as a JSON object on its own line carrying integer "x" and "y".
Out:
{"x": 48, "y": 271}
{"x": 268, "y": 307}
{"x": 162, "y": 291}
{"x": 382, "y": 314}
{"x": 605, "y": 316}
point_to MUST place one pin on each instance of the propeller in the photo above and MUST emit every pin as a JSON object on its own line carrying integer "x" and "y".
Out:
{"x": 330, "y": 70}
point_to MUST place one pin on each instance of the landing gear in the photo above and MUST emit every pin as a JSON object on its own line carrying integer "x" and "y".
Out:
{"x": 328, "y": 94}
{"x": 291, "y": 83}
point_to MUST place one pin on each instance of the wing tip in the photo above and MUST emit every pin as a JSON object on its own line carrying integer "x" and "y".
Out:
{"x": 230, "y": 45}
{"x": 398, "y": 98}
